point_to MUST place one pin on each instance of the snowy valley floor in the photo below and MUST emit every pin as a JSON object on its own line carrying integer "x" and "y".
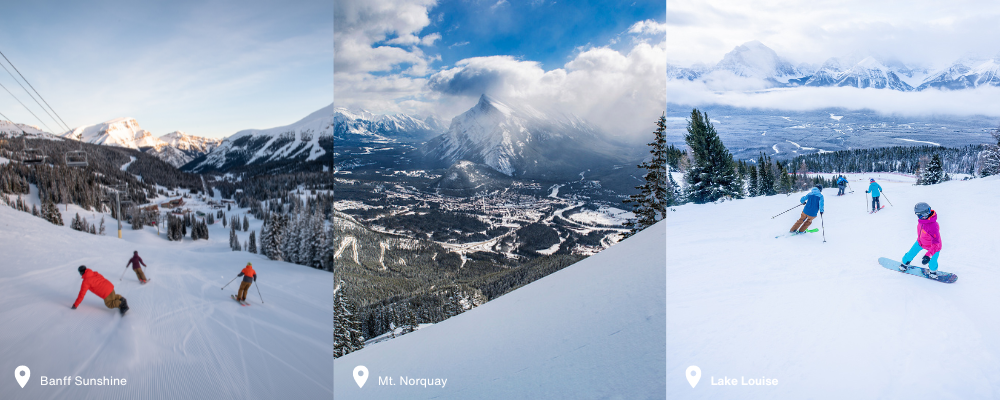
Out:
{"x": 183, "y": 338}
{"x": 825, "y": 319}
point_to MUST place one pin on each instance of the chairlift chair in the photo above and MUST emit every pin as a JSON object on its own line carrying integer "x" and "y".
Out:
{"x": 33, "y": 157}
{"x": 76, "y": 158}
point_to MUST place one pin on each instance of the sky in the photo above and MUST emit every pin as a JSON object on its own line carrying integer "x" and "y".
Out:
{"x": 208, "y": 68}
{"x": 925, "y": 35}
{"x": 928, "y": 33}
{"x": 604, "y": 61}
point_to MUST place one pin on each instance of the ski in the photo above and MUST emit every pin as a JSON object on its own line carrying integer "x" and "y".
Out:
{"x": 242, "y": 303}
{"x": 875, "y": 211}
{"x": 787, "y": 234}
{"x": 943, "y": 277}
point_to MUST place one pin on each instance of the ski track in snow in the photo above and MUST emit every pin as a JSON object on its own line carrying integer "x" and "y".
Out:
{"x": 919, "y": 141}
{"x": 183, "y": 337}
{"x": 826, "y": 319}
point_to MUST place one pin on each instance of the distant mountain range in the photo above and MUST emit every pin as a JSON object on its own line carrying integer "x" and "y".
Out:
{"x": 755, "y": 60}
{"x": 176, "y": 148}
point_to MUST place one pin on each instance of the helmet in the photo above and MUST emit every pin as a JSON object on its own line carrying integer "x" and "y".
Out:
{"x": 249, "y": 265}
{"x": 871, "y": 179}
{"x": 923, "y": 210}
{"x": 82, "y": 269}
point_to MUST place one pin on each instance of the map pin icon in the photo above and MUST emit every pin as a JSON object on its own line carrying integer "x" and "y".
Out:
{"x": 360, "y": 375}
{"x": 22, "y": 374}
{"x": 693, "y": 374}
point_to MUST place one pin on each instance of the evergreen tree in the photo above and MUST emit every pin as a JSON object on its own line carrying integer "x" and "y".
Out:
{"x": 246, "y": 224}
{"x": 934, "y": 173}
{"x": 989, "y": 158}
{"x": 100, "y": 230}
{"x": 234, "y": 243}
{"x": 712, "y": 175}
{"x": 650, "y": 205}
{"x": 93, "y": 230}
{"x": 753, "y": 183}
{"x": 347, "y": 336}
{"x": 252, "y": 246}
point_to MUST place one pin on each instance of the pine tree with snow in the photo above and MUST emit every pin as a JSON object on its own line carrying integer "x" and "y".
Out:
{"x": 753, "y": 183}
{"x": 246, "y": 224}
{"x": 347, "y": 336}
{"x": 93, "y": 230}
{"x": 223, "y": 222}
{"x": 650, "y": 204}
{"x": 100, "y": 230}
{"x": 934, "y": 173}
{"x": 712, "y": 175}
{"x": 989, "y": 158}
{"x": 252, "y": 246}
{"x": 234, "y": 242}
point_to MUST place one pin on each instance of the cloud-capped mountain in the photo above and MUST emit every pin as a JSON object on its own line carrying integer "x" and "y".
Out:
{"x": 520, "y": 141}
{"x": 966, "y": 73}
{"x": 755, "y": 60}
{"x": 870, "y": 73}
{"x": 176, "y": 148}
{"x": 305, "y": 140}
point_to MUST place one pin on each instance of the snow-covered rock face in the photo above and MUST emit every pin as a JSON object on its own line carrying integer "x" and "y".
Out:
{"x": 12, "y": 129}
{"x": 966, "y": 73}
{"x": 176, "y": 148}
{"x": 298, "y": 141}
{"x": 367, "y": 126}
{"x": 755, "y": 60}
{"x": 515, "y": 140}
{"x": 123, "y": 132}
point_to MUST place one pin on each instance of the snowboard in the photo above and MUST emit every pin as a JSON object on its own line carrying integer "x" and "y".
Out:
{"x": 875, "y": 211}
{"x": 242, "y": 303}
{"x": 787, "y": 234}
{"x": 943, "y": 277}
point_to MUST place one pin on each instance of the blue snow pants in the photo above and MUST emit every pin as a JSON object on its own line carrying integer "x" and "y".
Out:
{"x": 910, "y": 255}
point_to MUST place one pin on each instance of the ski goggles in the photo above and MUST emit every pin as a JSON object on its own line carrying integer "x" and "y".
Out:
{"x": 923, "y": 215}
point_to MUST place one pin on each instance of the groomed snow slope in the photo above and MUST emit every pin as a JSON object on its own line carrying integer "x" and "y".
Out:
{"x": 594, "y": 330}
{"x": 826, "y": 319}
{"x": 183, "y": 338}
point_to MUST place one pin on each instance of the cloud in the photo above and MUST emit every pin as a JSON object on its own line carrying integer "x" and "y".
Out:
{"x": 360, "y": 24}
{"x": 649, "y": 27}
{"x": 980, "y": 101}
{"x": 930, "y": 33}
{"x": 622, "y": 93}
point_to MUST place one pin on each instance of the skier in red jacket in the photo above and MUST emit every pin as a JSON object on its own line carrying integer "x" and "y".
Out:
{"x": 96, "y": 283}
{"x": 249, "y": 277}
{"x": 134, "y": 262}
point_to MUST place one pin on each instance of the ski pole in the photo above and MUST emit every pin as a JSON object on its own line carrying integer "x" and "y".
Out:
{"x": 230, "y": 282}
{"x": 123, "y": 274}
{"x": 822, "y": 225}
{"x": 790, "y": 209}
{"x": 258, "y": 293}
{"x": 887, "y": 199}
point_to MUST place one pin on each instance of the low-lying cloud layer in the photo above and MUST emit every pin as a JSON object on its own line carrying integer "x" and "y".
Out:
{"x": 980, "y": 101}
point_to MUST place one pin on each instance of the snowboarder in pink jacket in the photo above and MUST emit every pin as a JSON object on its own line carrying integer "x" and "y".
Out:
{"x": 928, "y": 238}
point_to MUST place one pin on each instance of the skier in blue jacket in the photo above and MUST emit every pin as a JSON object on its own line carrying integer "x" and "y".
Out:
{"x": 814, "y": 202}
{"x": 842, "y": 184}
{"x": 876, "y": 192}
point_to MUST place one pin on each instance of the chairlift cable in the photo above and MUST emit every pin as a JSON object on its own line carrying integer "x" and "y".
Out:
{"x": 33, "y": 88}
{"x": 25, "y": 107}
{"x": 29, "y": 94}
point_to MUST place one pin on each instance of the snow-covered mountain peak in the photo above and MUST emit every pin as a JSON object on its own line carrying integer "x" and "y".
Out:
{"x": 871, "y": 63}
{"x": 123, "y": 132}
{"x": 755, "y": 60}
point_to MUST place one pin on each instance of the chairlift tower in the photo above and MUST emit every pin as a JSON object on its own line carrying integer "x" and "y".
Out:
{"x": 120, "y": 190}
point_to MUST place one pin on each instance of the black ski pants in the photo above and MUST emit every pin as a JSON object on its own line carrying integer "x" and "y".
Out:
{"x": 875, "y": 203}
